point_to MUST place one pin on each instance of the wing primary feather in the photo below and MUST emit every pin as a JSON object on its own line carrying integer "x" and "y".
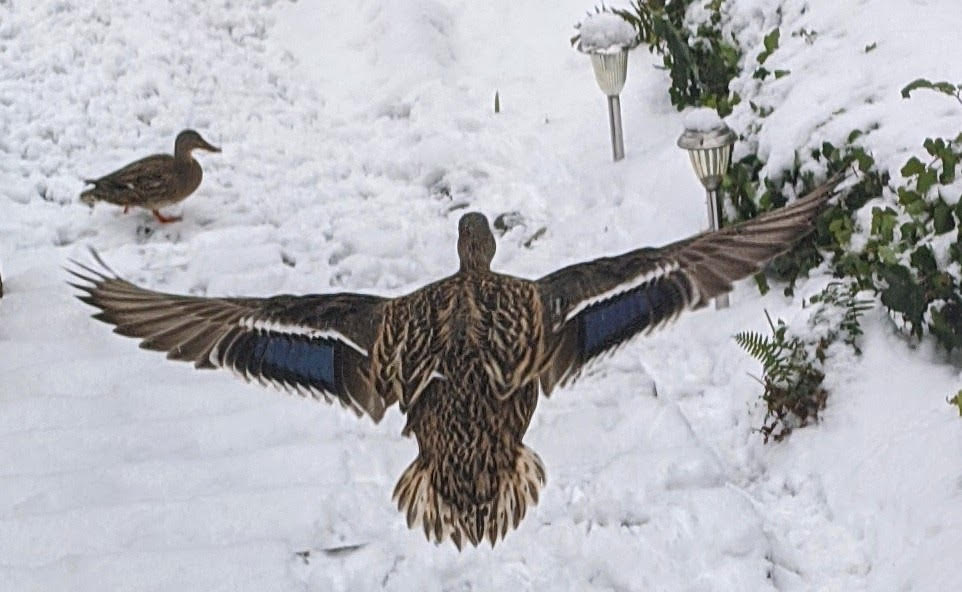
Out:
{"x": 301, "y": 344}
{"x": 595, "y": 306}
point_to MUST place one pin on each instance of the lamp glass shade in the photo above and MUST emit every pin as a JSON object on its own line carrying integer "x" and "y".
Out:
{"x": 710, "y": 164}
{"x": 710, "y": 152}
{"x": 611, "y": 70}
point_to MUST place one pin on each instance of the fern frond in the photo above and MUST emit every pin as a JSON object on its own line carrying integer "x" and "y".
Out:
{"x": 755, "y": 344}
{"x": 792, "y": 381}
{"x": 762, "y": 348}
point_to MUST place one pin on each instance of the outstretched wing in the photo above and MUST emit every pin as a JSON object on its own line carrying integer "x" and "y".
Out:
{"x": 594, "y": 307}
{"x": 315, "y": 345}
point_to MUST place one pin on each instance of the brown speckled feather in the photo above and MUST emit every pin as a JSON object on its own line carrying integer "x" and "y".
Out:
{"x": 487, "y": 319}
{"x": 462, "y": 357}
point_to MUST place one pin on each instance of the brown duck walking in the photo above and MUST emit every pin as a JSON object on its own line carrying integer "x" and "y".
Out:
{"x": 465, "y": 357}
{"x": 153, "y": 182}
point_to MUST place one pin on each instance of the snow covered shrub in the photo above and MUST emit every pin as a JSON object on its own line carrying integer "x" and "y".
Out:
{"x": 911, "y": 251}
{"x": 751, "y": 195}
{"x": 914, "y": 251}
{"x": 907, "y": 247}
{"x": 770, "y": 44}
{"x": 699, "y": 59}
{"x": 793, "y": 364}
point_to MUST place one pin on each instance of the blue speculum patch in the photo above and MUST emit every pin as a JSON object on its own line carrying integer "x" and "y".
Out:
{"x": 607, "y": 323}
{"x": 297, "y": 359}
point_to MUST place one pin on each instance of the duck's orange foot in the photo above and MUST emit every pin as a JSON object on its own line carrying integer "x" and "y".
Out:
{"x": 164, "y": 219}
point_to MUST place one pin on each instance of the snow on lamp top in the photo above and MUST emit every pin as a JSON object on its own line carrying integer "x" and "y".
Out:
{"x": 606, "y": 33}
{"x": 704, "y": 129}
{"x": 709, "y": 144}
{"x": 606, "y": 38}
{"x": 702, "y": 119}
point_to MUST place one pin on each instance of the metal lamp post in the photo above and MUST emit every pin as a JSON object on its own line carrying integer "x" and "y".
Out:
{"x": 710, "y": 152}
{"x": 611, "y": 70}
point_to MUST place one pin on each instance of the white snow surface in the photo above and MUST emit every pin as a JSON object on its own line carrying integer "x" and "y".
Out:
{"x": 702, "y": 119}
{"x": 605, "y": 32}
{"x": 355, "y": 133}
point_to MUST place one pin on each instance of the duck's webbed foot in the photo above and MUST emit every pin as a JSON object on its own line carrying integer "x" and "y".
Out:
{"x": 164, "y": 219}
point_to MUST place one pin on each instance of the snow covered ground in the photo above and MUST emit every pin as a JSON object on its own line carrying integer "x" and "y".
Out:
{"x": 355, "y": 133}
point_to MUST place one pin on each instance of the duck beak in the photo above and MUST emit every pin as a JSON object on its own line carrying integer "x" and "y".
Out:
{"x": 209, "y": 147}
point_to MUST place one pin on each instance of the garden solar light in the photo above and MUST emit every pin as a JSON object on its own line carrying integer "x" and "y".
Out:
{"x": 709, "y": 144}
{"x": 606, "y": 38}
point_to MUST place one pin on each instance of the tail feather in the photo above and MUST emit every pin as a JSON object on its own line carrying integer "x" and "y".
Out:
{"x": 107, "y": 191}
{"x": 91, "y": 195}
{"x": 442, "y": 519}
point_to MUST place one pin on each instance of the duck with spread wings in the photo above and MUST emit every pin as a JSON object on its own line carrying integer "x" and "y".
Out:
{"x": 465, "y": 358}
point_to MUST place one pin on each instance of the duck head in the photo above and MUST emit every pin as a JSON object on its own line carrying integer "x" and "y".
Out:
{"x": 476, "y": 245}
{"x": 188, "y": 140}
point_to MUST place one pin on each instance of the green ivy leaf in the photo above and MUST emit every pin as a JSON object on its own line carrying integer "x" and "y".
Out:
{"x": 841, "y": 229}
{"x": 942, "y": 218}
{"x": 955, "y": 251}
{"x": 909, "y": 232}
{"x": 912, "y": 167}
{"x": 946, "y": 326}
{"x": 883, "y": 223}
{"x": 943, "y": 87}
{"x": 916, "y": 209}
{"x": 903, "y": 294}
{"x": 829, "y": 151}
{"x": 771, "y": 44}
{"x": 923, "y": 260}
{"x": 886, "y": 254}
{"x": 907, "y": 196}
{"x": 934, "y": 147}
{"x": 915, "y": 85}
{"x": 941, "y": 286}
{"x": 864, "y": 160}
{"x": 950, "y": 160}
{"x": 771, "y": 40}
{"x": 926, "y": 180}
